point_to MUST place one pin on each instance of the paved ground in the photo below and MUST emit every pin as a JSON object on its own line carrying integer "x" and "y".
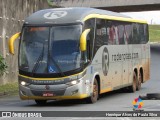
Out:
{"x": 114, "y": 101}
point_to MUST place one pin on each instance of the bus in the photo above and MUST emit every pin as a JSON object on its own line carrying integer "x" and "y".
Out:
{"x": 80, "y": 53}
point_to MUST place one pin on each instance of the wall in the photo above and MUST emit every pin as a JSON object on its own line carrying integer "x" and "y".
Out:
{"x": 12, "y": 15}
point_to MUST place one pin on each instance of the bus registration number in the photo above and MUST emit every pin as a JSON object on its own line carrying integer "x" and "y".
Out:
{"x": 48, "y": 94}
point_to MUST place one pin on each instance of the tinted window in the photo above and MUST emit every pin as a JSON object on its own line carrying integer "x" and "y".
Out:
{"x": 113, "y": 33}
{"x": 139, "y": 33}
{"x": 135, "y": 33}
{"x": 101, "y": 34}
{"x": 90, "y": 24}
{"x": 119, "y": 32}
{"x": 143, "y": 33}
{"x": 128, "y": 32}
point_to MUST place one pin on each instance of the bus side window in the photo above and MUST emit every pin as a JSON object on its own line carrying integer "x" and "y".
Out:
{"x": 110, "y": 32}
{"x": 135, "y": 33}
{"x": 113, "y": 33}
{"x": 128, "y": 33}
{"x": 101, "y": 34}
{"x": 141, "y": 33}
{"x": 143, "y": 30}
{"x": 146, "y": 33}
{"x": 90, "y": 24}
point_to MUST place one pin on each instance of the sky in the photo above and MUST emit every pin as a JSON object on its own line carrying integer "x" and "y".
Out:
{"x": 152, "y": 17}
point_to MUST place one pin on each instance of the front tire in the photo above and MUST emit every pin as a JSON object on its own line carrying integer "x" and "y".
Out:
{"x": 41, "y": 102}
{"x": 95, "y": 93}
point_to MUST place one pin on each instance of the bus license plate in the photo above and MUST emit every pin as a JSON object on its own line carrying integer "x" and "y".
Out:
{"x": 48, "y": 94}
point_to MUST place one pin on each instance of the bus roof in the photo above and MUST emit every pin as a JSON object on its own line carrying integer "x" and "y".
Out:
{"x": 74, "y": 15}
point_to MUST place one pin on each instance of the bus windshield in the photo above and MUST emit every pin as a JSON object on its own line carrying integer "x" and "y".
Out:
{"x": 50, "y": 49}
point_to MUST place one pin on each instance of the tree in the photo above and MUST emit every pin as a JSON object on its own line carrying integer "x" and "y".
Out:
{"x": 3, "y": 66}
{"x": 54, "y": 3}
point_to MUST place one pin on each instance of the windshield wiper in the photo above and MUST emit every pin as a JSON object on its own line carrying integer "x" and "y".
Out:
{"x": 38, "y": 60}
{"x": 59, "y": 69}
{"x": 41, "y": 57}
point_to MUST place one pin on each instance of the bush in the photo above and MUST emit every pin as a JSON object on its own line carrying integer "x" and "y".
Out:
{"x": 3, "y": 66}
{"x": 53, "y": 3}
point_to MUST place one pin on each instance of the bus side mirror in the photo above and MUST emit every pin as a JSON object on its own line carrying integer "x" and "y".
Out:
{"x": 11, "y": 42}
{"x": 83, "y": 41}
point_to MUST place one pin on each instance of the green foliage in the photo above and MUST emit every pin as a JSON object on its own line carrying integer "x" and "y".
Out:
{"x": 9, "y": 88}
{"x": 3, "y": 65}
{"x": 52, "y": 3}
{"x": 154, "y": 33}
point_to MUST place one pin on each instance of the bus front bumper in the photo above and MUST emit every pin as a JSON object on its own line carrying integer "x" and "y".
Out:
{"x": 53, "y": 92}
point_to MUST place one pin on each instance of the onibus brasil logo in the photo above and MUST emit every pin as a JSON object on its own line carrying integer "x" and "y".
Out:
{"x": 137, "y": 104}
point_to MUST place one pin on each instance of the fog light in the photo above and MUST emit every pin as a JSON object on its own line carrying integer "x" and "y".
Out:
{"x": 74, "y": 92}
{"x": 23, "y": 83}
{"x": 23, "y": 93}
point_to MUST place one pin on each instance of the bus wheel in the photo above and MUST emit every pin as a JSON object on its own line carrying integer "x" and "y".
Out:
{"x": 41, "y": 102}
{"x": 133, "y": 87}
{"x": 95, "y": 94}
{"x": 139, "y": 81}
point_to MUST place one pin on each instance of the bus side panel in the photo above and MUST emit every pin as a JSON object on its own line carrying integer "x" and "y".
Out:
{"x": 114, "y": 70}
{"x": 146, "y": 63}
{"x": 114, "y": 74}
{"x": 130, "y": 66}
{"x": 101, "y": 66}
{"x": 120, "y": 57}
{"x": 88, "y": 80}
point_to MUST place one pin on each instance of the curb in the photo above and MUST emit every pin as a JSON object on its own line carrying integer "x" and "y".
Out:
{"x": 2, "y": 94}
{"x": 154, "y": 42}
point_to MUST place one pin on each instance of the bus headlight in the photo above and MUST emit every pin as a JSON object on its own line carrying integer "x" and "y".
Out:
{"x": 74, "y": 82}
{"x": 23, "y": 83}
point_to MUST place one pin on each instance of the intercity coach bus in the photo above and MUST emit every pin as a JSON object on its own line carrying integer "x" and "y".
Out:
{"x": 80, "y": 53}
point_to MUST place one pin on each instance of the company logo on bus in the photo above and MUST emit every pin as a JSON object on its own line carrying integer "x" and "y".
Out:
{"x": 47, "y": 87}
{"x": 55, "y": 14}
{"x": 105, "y": 61}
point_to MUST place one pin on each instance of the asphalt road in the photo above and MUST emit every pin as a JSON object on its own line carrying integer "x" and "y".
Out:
{"x": 113, "y": 101}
